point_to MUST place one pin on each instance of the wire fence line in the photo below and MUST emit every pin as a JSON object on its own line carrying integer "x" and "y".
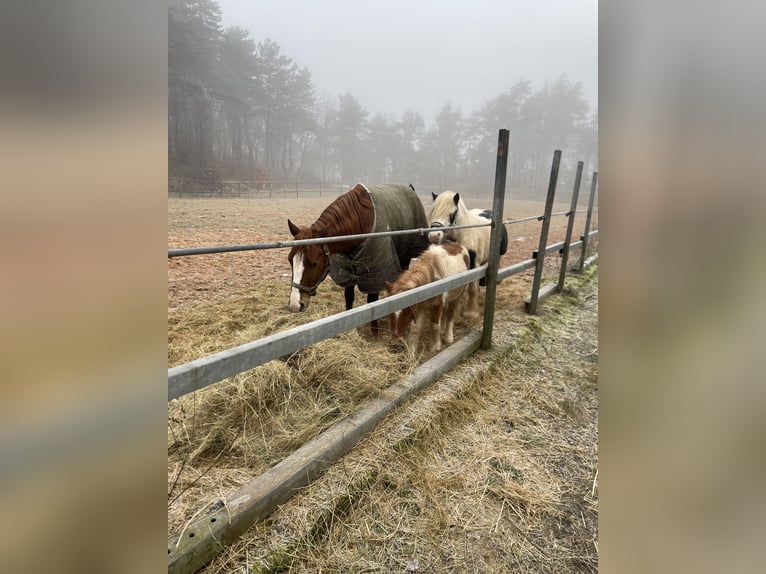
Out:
{"x": 184, "y": 252}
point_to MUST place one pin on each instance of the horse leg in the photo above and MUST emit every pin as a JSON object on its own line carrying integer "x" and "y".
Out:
{"x": 436, "y": 336}
{"x": 417, "y": 324}
{"x": 449, "y": 319}
{"x": 472, "y": 312}
{"x": 371, "y": 298}
{"x": 348, "y": 293}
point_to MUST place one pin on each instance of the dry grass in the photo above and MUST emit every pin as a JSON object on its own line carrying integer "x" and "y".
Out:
{"x": 492, "y": 470}
{"x": 222, "y": 436}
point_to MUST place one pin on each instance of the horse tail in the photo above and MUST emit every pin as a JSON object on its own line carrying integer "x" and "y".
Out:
{"x": 503, "y": 239}
{"x": 503, "y": 232}
{"x": 471, "y": 259}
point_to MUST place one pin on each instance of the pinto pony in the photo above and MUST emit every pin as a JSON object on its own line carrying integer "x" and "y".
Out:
{"x": 449, "y": 209}
{"x": 366, "y": 263}
{"x": 437, "y": 262}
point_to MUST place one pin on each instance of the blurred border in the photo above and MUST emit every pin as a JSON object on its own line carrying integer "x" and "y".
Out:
{"x": 83, "y": 108}
{"x": 681, "y": 189}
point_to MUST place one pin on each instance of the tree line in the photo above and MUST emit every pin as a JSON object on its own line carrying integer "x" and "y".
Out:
{"x": 242, "y": 107}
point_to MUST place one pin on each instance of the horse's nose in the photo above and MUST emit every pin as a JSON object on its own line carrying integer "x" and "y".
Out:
{"x": 435, "y": 237}
{"x": 302, "y": 307}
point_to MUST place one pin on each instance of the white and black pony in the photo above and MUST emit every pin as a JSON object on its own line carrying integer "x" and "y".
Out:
{"x": 449, "y": 209}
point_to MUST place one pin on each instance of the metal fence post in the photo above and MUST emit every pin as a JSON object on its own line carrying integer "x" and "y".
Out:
{"x": 593, "y": 181}
{"x": 570, "y": 226}
{"x": 494, "y": 239}
{"x": 531, "y": 305}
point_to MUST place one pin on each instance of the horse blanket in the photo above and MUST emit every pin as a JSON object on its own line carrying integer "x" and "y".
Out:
{"x": 380, "y": 259}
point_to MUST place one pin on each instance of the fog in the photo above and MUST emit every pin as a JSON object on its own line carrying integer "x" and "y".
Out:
{"x": 403, "y": 54}
{"x": 414, "y": 92}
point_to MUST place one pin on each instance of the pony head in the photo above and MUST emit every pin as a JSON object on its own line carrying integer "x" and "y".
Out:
{"x": 443, "y": 214}
{"x": 310, "y": 265}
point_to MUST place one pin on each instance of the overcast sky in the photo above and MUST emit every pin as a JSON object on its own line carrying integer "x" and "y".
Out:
{"x": 418, "y": 54}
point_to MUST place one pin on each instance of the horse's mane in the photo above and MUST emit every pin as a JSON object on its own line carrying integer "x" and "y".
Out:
{"x": 444, "y": 204}
{"x": 351, "y": 213}
{"x": 420, "y": 273}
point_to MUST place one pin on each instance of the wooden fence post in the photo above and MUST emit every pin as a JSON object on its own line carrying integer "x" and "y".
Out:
{"x": 570, "y": 226}
{"x": 494, "y": 239}
{"x": 531, "y": 305}
{"x": 593, "y": 181}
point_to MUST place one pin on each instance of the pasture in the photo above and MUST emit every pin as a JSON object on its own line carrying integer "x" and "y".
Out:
{"x": 500, "y": 456}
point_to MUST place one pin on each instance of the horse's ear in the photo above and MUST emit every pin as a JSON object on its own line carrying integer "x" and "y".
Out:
{"x": 434, "y": 195}
{"x": 456, "y": 199}
{"x": 321, "y": 232}
{"x": 293, "y": 228}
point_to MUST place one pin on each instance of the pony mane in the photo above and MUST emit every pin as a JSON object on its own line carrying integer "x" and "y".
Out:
{"x": 420, "y": 273}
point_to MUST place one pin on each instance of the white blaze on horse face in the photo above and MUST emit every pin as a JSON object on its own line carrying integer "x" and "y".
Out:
{"x": 295, "y": 294}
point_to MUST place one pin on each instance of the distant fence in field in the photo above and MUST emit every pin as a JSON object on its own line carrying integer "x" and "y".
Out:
{"x": 195, "y": 546}
{"x": 215, "y": 187}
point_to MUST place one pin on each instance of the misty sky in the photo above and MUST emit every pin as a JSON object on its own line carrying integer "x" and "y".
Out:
{"x": 418, "y": 54}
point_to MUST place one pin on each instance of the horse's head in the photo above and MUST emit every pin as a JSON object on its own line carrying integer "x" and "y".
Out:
{"x": 443, "y": 214}
{"x": 400, "y": 320}
{"x": 310, "y": 265}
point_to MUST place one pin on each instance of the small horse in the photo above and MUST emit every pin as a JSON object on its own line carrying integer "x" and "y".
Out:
{"x": 366, "y": 263}
{"x": 437, "y": 262}
{"x": 449, "y": 209}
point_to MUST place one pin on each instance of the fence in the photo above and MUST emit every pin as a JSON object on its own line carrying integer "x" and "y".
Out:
{"x": 217, "y": 187}
{"x": 201, "y": 540}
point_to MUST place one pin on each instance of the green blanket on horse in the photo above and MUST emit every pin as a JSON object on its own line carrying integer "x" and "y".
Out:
{"x": 381, "y": 259}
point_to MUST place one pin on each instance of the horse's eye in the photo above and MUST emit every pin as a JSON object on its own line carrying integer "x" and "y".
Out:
{"x": 311, "y": 263}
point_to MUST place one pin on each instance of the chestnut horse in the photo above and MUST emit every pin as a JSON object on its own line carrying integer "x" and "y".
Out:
{"x": 437, "y": 262}
{"x": 366, "y": 263}
{"x": 449, "y": 209}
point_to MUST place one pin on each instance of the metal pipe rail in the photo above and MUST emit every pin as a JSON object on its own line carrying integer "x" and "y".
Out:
{"x": 205, "y": 371}
{"x": 313, "y": 241}
{"x": 541, "y": 217}
{"x": 200, "y": 373}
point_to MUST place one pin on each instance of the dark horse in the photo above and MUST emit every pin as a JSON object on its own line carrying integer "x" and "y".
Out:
{"x": 366, "y": 263}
